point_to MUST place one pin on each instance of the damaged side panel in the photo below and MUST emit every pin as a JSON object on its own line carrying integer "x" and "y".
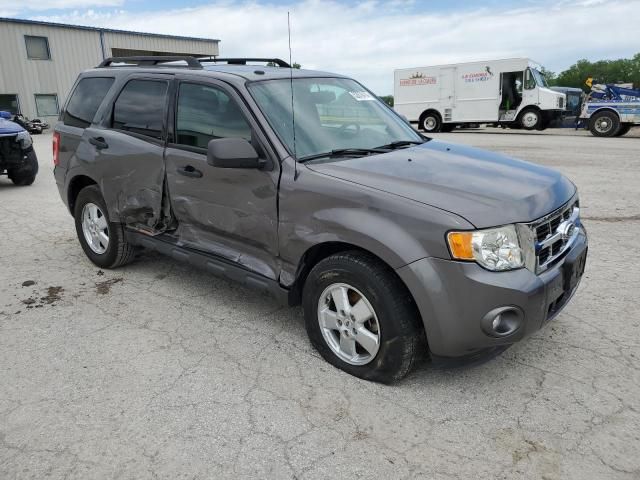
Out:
{"x": 131, "y": 174}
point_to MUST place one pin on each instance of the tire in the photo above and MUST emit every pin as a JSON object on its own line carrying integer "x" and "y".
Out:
{"x": 430, "y": 122}
{"x": 373, "y": 289}
{"x": 623, "y": 130}
{"x": 543, "y": 124}
{"x": 26, "y": 174}
{"x": 110, "y": 253}
{"x": 530, "y": 119}
{"x": 604, "y": 124}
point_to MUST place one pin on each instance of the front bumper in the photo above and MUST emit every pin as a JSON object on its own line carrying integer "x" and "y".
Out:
{"x": 454, "y": 297}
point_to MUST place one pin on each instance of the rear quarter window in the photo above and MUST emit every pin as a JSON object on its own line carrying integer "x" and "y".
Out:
{"x": 85, "y": 101}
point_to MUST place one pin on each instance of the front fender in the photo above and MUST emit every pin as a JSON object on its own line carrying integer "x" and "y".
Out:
{"x": 317, "y": 209}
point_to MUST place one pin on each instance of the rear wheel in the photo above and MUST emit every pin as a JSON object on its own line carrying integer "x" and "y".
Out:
{"x": 604, "y": 124}
{"x": 431, "y": 122}
{"x": 530, "y": 119}
{"x": 103, "y": 241}
{"x": 361, "y": 318}
{"x": 26, "y": 174}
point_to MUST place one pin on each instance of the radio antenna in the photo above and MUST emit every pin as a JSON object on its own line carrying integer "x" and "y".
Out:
{"x": 293, "y": 115}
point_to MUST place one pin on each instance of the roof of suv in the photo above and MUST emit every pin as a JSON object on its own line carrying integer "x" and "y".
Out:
{"x": 206, "y": 67}
{"x": 253, "y": 72}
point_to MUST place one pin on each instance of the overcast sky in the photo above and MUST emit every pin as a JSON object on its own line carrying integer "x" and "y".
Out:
{"x": 369, "y": 39}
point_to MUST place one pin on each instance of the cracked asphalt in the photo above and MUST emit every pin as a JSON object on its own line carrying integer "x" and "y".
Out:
{"x": 157, "y": 370}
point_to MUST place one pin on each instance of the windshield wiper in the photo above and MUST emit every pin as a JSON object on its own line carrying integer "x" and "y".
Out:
{"x": 401, "y": 143}
{"x": 343, "y": 152}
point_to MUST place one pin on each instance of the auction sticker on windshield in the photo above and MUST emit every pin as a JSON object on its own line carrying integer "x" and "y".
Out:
{"x": 362, "y": 96}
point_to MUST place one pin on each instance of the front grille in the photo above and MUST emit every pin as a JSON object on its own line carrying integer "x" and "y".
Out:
{"x": 554, "y": 235}
{"x": 10, "y": 152}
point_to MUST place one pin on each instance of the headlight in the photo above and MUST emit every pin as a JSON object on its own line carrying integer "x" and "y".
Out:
{"x": 24, "y": 139}
{"x": 494, "y": 248}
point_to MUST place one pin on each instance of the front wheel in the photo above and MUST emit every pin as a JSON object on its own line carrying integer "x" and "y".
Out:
{"x": 604, "y": 124}
{"x": 103, "y": 241}
{"x": 26, "y": 173}
{"x": 530, "y": 119}
{"x": 361, "y": 318}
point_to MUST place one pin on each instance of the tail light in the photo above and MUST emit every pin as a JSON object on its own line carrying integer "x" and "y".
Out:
{"x": 56, "y": 149}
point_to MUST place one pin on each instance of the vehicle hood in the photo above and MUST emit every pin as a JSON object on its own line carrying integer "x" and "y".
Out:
{"x": 485, "y": 188}
{"x": 9, "y": 128}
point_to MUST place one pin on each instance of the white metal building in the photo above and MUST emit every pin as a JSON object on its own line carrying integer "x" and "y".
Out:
{"x": 39, "y": 61}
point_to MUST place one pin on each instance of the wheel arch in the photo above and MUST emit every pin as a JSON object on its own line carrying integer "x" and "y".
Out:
{"x": 426, "y": 112}
{"x": 318, "y": 252}
{"x": 605, "y": 109}
{"x": 527, "y": 108}
{"x": 76, "y": 184}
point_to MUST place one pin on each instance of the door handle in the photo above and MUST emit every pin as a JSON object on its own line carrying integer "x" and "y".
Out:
{"x": 189, "y": 171}
{"x": 98, "y": 142}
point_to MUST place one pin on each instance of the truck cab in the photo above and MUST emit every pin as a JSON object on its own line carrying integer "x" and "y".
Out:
{"x": 509, "y": 92}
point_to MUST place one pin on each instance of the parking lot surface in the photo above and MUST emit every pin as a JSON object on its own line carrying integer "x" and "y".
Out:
{"x": 157, "y": 370}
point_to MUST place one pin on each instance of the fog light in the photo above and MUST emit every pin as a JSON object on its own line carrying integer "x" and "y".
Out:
{"x": 502, "y": 321}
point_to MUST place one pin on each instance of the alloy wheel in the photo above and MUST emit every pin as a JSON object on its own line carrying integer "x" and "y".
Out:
{"x": 95, "y": 228}
{"x": 349, "y": 324}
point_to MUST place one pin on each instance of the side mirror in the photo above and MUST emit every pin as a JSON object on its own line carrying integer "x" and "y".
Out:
{"x": 5, "y": 115}
{"x": 232, "y": 153}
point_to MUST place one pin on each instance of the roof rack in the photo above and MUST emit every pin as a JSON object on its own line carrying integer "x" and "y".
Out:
{"x": 152, "y": 61}
{"x": 243, "y": 61}
{"x": 192, "y": 62}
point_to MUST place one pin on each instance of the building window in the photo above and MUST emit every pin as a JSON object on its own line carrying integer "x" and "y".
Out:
{"x": 47, "y": 105}
{"x": 37, "y": 48}
{"x": 9, "y": 103}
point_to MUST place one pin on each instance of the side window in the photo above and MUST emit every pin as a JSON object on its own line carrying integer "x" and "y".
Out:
{"x": 529, "y": 81}
{"x": 85, "y": 100}
{"x": 206, "y": 112}
{"x": 140, "y": 108}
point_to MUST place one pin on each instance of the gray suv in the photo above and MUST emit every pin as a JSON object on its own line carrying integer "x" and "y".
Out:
{"x": 306, "y": 185}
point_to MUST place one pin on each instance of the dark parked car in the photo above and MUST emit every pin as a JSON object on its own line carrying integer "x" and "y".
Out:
{"x": 17, "y": 158}
{"x": 305, "y": 184}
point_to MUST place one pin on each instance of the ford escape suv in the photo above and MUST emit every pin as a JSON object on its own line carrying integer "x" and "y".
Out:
{"x": 306, "y": 185}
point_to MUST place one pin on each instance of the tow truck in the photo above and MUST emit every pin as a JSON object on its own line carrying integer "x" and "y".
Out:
{"x": 611, "y": 110}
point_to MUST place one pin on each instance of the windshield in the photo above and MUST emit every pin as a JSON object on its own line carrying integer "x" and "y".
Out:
{"x": 330, "y": 114}
{"x": 540, "y": 80}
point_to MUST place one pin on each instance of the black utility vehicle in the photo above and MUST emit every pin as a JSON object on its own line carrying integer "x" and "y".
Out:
{"x": 17, "y": 158}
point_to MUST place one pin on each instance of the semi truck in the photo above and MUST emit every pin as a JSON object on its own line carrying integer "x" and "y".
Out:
{"x": 509, "y": 92}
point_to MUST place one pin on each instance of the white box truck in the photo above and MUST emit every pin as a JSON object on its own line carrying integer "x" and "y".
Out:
{"x": 509, "y": 92}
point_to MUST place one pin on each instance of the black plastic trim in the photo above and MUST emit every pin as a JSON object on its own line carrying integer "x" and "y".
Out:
{"x": 212, "y": 263}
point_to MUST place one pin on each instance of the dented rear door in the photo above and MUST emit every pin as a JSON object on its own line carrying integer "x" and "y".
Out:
{"x": 128, "y": 154}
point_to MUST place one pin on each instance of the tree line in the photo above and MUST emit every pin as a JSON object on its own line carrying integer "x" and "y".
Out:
{"x": 622, "y": 70}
